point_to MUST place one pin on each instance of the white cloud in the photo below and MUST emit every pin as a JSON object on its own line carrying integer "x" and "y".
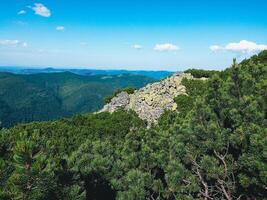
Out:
{"x": 12, "y": 43}
{"x": 215, "y": 47}
{"x": 166, "y": 47}
{"x": 137, "y": 46}
{"x": 41, "y": 10}
{"x": 60, "y": 28}
{"x": 22, "y": 12}
{"x": 243, "y": 46}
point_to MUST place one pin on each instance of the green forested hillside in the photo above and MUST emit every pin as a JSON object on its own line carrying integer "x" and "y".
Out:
{"x": 214, "y": 148}
{"x": 39, "y": 97}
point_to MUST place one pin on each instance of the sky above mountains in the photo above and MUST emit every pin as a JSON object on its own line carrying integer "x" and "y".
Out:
{"x": 140, "y": 34}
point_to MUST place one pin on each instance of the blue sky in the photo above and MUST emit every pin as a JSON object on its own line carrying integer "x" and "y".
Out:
{"x": 140, "y": 34}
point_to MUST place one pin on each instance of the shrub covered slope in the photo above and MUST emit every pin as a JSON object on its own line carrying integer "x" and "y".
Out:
{"x": 214, "y": 148}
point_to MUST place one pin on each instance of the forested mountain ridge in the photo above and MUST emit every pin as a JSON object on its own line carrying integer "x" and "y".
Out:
{"x": 47, "y": 96}
{"x": 213, "y": 148}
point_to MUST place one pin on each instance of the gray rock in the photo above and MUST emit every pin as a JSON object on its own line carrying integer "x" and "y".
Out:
{"x": 120, "y": 101}
{"x": 151, "y": 101}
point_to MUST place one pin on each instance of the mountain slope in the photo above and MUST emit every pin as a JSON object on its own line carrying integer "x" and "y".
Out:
{"x": 213, "y": 148}
{"x": 38, "y": 97}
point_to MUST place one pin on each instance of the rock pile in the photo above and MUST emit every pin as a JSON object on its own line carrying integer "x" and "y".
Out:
{"x": 151, "y": 101}
{"x": 120, "y": 101}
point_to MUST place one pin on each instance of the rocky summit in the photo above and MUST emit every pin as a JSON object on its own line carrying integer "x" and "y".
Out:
{"x": 151, "y": 101}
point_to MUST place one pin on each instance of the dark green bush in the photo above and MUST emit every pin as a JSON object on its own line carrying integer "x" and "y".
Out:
{"x": 199, "y": 73}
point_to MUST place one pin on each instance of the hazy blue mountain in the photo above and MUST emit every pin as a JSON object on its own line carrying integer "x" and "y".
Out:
{"x": 87, "y": 72}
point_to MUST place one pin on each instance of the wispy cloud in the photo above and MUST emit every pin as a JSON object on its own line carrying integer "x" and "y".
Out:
{"x": 9, "y": 42}
{"x": 215, "y": 47}
{"x": 12, "y": 43}
{"x": 60, "y": 28}
{"x": 137, "y": 46}
{"x": 244, "y": 46}
{"x": 22, "y": 12}
{"x": 41, "y": 10}
{"x": 166, "y": 47}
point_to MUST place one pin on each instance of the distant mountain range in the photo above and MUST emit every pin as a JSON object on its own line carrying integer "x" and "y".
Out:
{"x": 34, "y": 96}
{"x": 86, "y": 72}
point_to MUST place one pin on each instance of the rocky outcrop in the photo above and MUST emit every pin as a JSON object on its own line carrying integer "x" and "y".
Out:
{"x": 120, "y": 101}
{"x": 151, "y": 101}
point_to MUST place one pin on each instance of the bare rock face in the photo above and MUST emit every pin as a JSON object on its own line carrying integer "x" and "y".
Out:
{"x": 120, "y": 101}
{"x": 151, "y": 101}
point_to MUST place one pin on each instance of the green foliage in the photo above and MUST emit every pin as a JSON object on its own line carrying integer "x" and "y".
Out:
{"x": 30, "y": 178}
{"x": 200, "y": 73}
{"x": 260, "y": 58}
{"x": 38, "y": 153}
{"x": 195, "y": 88}
{"x": 214, "y": 148}
{"x": 184, "y": 103}
{"x": 129, "y": 90}
{"x": 219, "y": 131}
